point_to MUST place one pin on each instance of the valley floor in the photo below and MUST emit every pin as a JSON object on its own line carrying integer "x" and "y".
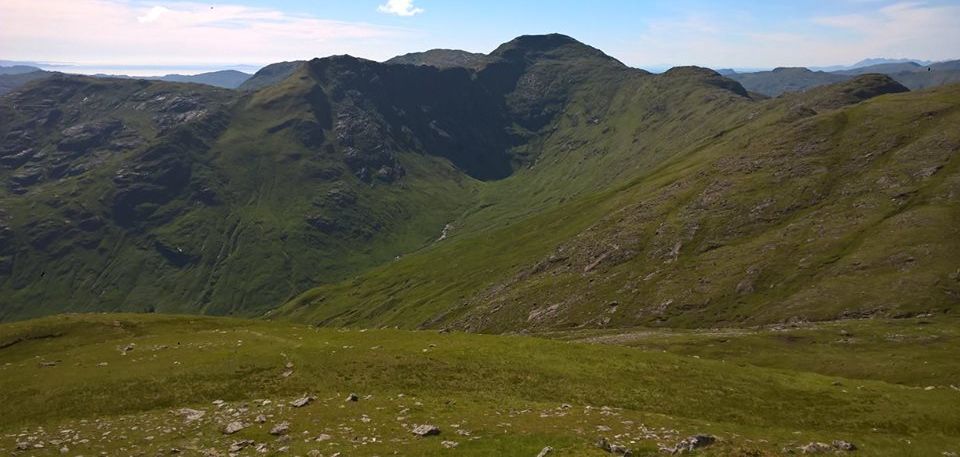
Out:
{"x": 165, "y": 385}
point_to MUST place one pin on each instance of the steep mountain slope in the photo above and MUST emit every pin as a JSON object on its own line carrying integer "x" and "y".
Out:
{"x": 551, "y": 187}
{"x": 805, "y": 207}
{"x": 270, "y": 75}
{"x": 126, "y": 194}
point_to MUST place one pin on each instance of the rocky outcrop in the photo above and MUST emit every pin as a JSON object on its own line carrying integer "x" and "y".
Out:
{"x": 82, "y": 137}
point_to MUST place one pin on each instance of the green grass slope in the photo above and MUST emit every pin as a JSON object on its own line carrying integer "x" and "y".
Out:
{"x": 150, "y": 196}
{"x": 117, "y": 385}
{"x": 812, "y": 207}
{"x": 135, "y": 195}
{"x": 551, "y": 187}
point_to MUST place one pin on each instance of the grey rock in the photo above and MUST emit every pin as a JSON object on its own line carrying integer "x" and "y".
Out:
{"x": 190, "y": 415}
{"x": 302, "y": 401}
{"x": 815, "y": 448}
{"x": 426, "y": 430}
{"x": 545, "y": 451}
{"x": 90, "y": 134}
{"x": 280, "y": 429}
{"x": 234, "y": 427}
{"x": 696, "y": 442}
{"x": 239, "y": 445}
{"x": 844, "y": 445}
{"x": 602, "y": 443}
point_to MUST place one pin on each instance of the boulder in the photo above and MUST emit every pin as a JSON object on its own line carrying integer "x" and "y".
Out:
{"x": 844, "y": 445}
{"x": 696, "y": 442}
{"x": 302, "y": 401}
{"x": 190, "y": 415}
{"x": 426, "y": 430}
{"x": 280, "y": 429}
{"x": 234, "y": 427}
{"x": 238, "y": 446}
{"x": 815, "y": 448}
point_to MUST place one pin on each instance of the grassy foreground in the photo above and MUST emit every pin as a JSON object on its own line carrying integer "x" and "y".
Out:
{"x": 116, "y": 384}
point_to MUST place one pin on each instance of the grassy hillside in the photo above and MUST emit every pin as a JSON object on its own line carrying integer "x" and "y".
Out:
{"x": 117, "y": 384}
{"x": 137, "y": 195}
{"x": 548, "y": 187}
{"x": 811, "y": 207}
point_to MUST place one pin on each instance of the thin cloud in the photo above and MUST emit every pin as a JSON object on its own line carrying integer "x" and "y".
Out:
{"x": 908, "y": 29}
{"x": 902, "y": 30}
{"x": 152, "y": 15}
{"x": 126, "y": 32}
{"x": 399, "y": 8}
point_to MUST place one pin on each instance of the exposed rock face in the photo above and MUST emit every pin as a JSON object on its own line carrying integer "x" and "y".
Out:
{"x": 87, "y": 135}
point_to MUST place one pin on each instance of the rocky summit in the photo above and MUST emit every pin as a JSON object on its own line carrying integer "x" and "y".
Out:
{"x": 536, "y": 251}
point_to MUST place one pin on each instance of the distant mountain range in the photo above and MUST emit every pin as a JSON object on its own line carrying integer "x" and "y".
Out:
{"x": 871, "y": 62}
{"x": 911, "y": 74}
{"x": 14, "y": 76}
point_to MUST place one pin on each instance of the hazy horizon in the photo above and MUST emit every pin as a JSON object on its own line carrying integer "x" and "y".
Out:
{"x": 136, "y": 37}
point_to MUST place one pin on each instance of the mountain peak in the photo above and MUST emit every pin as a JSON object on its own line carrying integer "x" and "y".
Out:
{"x": 554, "y": 44}
{"x": 543, "y": 42}
{"x": 691, "y": 70}
{"x": 442, "y": 58}
{"x": 856, "y": 90}
{"x": 708, "y": 76}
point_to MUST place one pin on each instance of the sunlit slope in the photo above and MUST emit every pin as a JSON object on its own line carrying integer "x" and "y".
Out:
{"x": 811, "y": 207}
{"x": 118, "y": 384}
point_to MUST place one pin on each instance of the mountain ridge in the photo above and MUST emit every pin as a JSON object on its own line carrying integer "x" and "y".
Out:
{"x": 514, "y": 196}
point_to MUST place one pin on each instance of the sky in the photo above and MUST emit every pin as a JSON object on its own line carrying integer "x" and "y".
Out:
{"x": 146, "y": 37}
